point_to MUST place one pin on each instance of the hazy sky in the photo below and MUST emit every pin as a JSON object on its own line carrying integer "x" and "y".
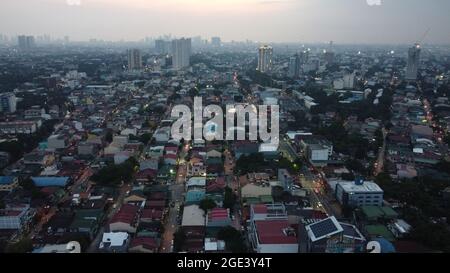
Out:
{"x": 343, "y": 21}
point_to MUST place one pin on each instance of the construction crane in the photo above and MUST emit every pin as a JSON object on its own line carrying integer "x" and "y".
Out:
{"x": 423, "y": 36}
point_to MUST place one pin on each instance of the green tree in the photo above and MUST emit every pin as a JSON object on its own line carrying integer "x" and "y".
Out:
{"x": 14, "y": 148}
{"x": 145, "y": 138}
{"x": 233, "y": 240}
{"x": 23, "y": 246}
{"x": 229, "y": 199}
{"x": 109, "y": 137}
{"x": 207, "y": 204}
{"x": 179, "y": 238}
{"x": 113, "y": 175}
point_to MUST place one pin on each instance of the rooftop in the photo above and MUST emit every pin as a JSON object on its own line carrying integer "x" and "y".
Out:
{"x": 275, "y": 232}
{"x": 368, "y": 186}
{"x": 324, "y": 229}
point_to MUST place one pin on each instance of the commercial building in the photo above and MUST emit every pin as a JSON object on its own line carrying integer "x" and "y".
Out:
{"x": 359, "y": 193}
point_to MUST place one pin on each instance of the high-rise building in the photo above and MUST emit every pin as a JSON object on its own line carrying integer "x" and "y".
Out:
{"x": 413, "y": 62}
{"x": 134, "y": 59}
{"x": 162, "y": 46}
{"x": 216, "y": 42}
{"x": 181, "y": 53}
{"x": 8, "y": 103}
{"x": 294, "y": 66}
{"x": 265, "y": 59}
{"x": 25, "y": 42}
{"x": 329, "y": 54}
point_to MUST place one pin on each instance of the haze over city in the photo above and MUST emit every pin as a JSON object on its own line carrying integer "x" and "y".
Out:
{"x": 346, "y": 21}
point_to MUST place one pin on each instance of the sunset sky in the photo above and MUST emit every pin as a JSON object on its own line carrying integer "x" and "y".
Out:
{"x": 343, "y": 21}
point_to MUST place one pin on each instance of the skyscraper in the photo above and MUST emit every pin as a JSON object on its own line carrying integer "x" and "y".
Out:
{"x": 25, "y": 42}
{"x": 162, "y": 46}
{"x": 329, "y": 54}
{"x": 181, "y": 53}
{"x": 134, "y": 59}
{"x": 8, "y": 102}
{"x": 265, "y": 59}
{"x": 413, "y": 62}
{"x": 294, "y": 66}
{"x": 216, "y": 42}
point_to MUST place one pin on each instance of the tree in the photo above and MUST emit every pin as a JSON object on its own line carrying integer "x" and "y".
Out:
{"x": 14, "y": 148}
{"x": 109, "y": 137}
{"x": 179, "y": 238}
{"x": 29, "y": 186}
{"x": 207, "y": 204}
{"x": 145, "y": 138}
{"x": 113, "y": 175}
{"x": 250, "y": 163}
{"x": 447, "y": 139}
{"x": 233, "y": 239}
{"x": 23, "y": 246}
{"x": 229, "y": 199}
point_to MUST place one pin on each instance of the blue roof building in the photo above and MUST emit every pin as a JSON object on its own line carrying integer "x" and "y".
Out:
{"x": 50, "y": 181}
{"x": 8, "y": 183}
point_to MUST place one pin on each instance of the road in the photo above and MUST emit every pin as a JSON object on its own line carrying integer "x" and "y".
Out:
{"x": 177, "y": 189}
{"x": 319, "y": 197}
{"x": 381, "y": 155}
{"x": 93, "y": 247}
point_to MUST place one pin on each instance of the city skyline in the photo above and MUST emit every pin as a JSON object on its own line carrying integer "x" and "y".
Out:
{"x": 349, "y": 21}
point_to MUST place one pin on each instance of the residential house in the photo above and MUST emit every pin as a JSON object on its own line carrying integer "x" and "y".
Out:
{"x": 114, "y": 242}
{"x": 126, "y": 219}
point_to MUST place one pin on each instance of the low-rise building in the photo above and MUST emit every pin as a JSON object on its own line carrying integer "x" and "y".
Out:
{"x": 8, "y": 183}
{"x": 359, "y": 193}
{"x": 115, "y": 242}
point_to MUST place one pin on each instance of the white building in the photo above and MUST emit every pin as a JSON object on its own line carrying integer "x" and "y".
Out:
{"x": 359, "y": 193}
{"x": 115, "y": 242}
{"x": 181, "y": 53}
{"x": 349, "y": 81}
{"x": 265, "y": 59}
{"x": 134, "y": 59}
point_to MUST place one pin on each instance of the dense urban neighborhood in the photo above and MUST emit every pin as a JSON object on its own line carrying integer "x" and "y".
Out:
{"x": 87, "y": 152}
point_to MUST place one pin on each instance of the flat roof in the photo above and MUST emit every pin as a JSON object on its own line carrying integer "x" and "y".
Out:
{"x": 193, "y": 215}
{"x": 367, "y": 186}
